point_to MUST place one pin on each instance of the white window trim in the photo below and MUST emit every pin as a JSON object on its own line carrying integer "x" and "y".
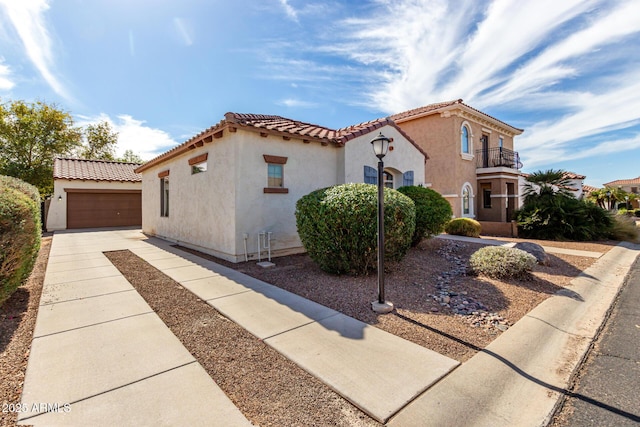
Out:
{"x": 471, "y": 213}
{"x": 469, "y": 155}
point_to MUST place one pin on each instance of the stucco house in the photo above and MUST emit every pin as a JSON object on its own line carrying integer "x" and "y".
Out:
{"x": 472, "y": 161}
{"x": 630, "y": 186}
{"x": 94, "y": 193}
{"x": 231, "y": 190}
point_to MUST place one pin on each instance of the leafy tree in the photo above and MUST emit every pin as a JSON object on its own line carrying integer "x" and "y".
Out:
{"x": 130, "y": 157}
{"x": 31, "y": 135}
{"x": 100, "y": 142}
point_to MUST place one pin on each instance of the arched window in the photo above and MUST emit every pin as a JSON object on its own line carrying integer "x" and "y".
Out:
{"x": 388, "y": 179}
{"x": 465, "y": 139}
{"x": 467, "y": 200}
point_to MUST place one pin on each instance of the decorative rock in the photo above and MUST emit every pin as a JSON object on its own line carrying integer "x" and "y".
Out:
{"x": 535, "y": 250}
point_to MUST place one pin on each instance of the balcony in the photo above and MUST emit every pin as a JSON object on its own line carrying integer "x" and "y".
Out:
{"x": 497, "y": 157}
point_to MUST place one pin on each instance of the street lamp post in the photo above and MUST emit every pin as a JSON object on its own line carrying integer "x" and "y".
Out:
{"x": 626, "y": 202}
{"x": 609, "y": 199}
{"x": 380, "y": 146}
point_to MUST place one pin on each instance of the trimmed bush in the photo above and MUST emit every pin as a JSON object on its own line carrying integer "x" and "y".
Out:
{"x": 463, "y": 227}
{"x": 432, "y": 211}
{"x": 338, "y": 226}
{"x": 19, "y": 233}
{"x": 500, "y": 262}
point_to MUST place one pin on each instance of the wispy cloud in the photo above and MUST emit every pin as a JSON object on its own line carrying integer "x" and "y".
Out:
{"x": 183, "y": 30}
{"x": 6, "y": 83}
{"x": 133, "y": 134}
{"x": 289, "y": 10}
{"x": 28, "y": 20}
{"x": 554, "y": 66}
{"x": 297, "y": 103}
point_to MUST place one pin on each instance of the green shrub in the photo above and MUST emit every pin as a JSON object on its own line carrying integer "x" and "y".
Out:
{"x": 501, "y": 262}
{"x": 19, "y": 233}
{"x": 625, "y": 228}
{"x": 563, "y": 218}
{"x": 338, "y": 226}
{"x": 463, "y": 227}
{"x": 432, "y": 211}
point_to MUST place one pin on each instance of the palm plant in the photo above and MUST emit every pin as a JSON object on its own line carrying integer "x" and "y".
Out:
{"x": 545, "y": 185}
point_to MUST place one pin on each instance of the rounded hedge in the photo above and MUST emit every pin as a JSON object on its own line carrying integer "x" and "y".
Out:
{"x": 432, "y": 211}
{"x": 501, "y": 262}
{"x": 463, "y": 227}
{"x": 19, "y": 233}
{"x": 338, "y": 226}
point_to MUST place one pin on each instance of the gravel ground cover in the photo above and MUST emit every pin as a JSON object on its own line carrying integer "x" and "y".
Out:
{"x": 17, "y": 320}
{"x": 269, "y": 389}
{"x": 429, "y": 288}
{"x": 438, "y": 305}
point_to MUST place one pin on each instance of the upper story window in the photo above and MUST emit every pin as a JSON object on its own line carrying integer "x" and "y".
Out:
{"x": 275, "y": 174}
{"x": 500, "y": 142}
{"x": 465, "y": 139}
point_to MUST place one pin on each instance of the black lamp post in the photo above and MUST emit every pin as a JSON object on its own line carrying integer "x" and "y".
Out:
{"x": 609, "y": 199}
{"x": 380, "y": 146}
{"x": 626, "y": 202}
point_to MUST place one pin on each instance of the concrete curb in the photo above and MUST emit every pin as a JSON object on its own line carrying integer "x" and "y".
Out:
{"x": 519, "y": 378}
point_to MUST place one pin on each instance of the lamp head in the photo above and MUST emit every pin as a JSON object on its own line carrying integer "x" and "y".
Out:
{"x": 380, "y": 145}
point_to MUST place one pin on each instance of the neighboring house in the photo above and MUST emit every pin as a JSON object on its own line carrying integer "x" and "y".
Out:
{"x": 630, "y": 186}
{"x": 231, "y": 190}
{"x": 587, "y": 190}
{"x": 472, "y": 161}
{"x": 94, "y": 193}
{"x": 575, "y": 185}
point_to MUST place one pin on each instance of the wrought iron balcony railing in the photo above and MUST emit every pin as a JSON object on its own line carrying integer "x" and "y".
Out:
{"x": 498, "y": 157}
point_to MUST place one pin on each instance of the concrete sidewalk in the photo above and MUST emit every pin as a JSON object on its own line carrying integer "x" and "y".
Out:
{"x": 495, "y": 241}
{"x": 518, "y": 379}
{"x": 101, "y": 350}
{"x": 101, "y": 356}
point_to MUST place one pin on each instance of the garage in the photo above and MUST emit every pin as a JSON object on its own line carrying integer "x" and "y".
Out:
{"x": 104, "y": 208}
{"x": 94, "y": 193}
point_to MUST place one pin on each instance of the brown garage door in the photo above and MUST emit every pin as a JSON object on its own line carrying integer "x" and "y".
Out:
{"x": 103, "y": 209}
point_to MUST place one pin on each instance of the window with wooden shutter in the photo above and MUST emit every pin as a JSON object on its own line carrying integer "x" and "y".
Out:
{"x": 370, "y": 175}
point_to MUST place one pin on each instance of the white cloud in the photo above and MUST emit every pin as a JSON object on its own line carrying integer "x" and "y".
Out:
{"x": 133, "y": 135}
{"x": 183, "y": 30}
{"x": 6, "y": 83}
{"x": 289, "y": 10}
{"x": 27, "y": 17}
{"x": 297, "y": 103}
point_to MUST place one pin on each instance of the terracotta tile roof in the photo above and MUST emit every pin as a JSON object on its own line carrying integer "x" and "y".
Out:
{"x": 571, "y": 175}
{"x": 280, "y": 126}
{"x": 588, "y": 189}
{"x": 95, "y": 170}
{"x": 432, "y": 108}
{"x": 620, "y": 182}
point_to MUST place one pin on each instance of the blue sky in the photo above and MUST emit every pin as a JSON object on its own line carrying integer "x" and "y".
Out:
{"x": 159, "y": 71}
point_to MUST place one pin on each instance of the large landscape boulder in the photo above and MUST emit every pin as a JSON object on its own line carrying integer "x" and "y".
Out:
{"x": 534, "y": 249}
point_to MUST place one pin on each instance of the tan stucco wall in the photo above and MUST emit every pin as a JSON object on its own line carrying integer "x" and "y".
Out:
{"x": 57, "y": 215}
{"x": 404, "y": 157}
{"x": 447, "y": 170}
